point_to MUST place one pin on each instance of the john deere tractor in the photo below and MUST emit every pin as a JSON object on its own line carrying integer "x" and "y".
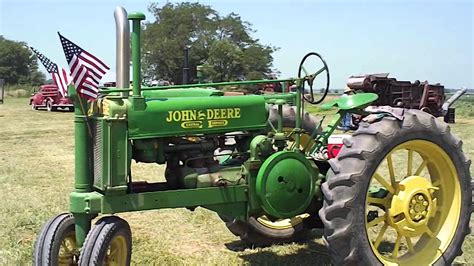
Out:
{"x": 398, "y": 192}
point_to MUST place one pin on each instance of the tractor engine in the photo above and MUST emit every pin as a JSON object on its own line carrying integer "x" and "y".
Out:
{"x": 198, "y": 161}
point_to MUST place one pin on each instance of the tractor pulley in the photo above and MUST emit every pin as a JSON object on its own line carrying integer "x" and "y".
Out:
{"x": 285, "y": 184}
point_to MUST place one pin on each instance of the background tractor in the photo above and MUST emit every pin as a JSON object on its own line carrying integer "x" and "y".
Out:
{"x": 397, "y": 193}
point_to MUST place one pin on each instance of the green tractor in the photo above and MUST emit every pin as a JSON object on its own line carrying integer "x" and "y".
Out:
{"x": 398, "y": 192}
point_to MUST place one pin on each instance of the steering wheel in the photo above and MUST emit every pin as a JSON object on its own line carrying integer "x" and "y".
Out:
{"x": 309, "y": 78}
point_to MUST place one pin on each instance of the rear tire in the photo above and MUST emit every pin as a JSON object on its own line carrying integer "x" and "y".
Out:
{"x": 56, "y": 242}
{"x": 430, "y": 233}
{"x": 260, "y": 231}
{"x": 108, "y": 243}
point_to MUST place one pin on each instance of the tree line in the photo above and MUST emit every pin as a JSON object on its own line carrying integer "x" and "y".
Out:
{"x": 222, "y": 44}
{"x": 18, "y": 64}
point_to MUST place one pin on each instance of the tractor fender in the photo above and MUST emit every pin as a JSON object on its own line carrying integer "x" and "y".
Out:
{"x": 378, "y": 112}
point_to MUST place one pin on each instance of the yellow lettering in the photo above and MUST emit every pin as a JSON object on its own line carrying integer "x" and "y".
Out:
{"x": 223, "y": 113}
{"x": 170, "y": 117}
{"x": 237, "y": 112}
{"x": 230, "y": 113}
{"x": 209, "y": 114}
{"x": 216, "y": 114}
{"x": 176, "y": 115}
{"x": 192, "y": 114}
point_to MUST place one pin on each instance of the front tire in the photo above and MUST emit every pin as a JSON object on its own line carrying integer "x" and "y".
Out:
{"x": 108, "y": 243}
{"x": 56, "y": 243}
{"x": 398, "y": 194}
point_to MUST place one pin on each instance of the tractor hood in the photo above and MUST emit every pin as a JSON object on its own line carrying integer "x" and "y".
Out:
{"x": 188, "y": 115}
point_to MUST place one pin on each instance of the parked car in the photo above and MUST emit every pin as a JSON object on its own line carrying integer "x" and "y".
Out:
{"x": 48, "y": 97}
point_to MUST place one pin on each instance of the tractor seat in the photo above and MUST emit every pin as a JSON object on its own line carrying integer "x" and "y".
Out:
{"x": 359, "y": 101}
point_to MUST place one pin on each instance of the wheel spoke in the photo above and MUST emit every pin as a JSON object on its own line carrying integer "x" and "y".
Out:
{"x": 410, "y": 162}
{"x": 391, "y": 170}
{"x": 304, "y": 70}
{"x": 64, "y": 246}
{"x": 409, "y": 244}
{"x": 376, "y": 200}
{"x": 397, "y": 246}
{"x": 384, "y": 183}
{"x": 319, "y": 71}
{"x": 380, "y": 235}
{"x": 421, "y": 167}
{"x": 112, "y": 252}
{"x": 428, "y": 231}
{"x": 376, "y": 221}
{"x": 431, "y": 235}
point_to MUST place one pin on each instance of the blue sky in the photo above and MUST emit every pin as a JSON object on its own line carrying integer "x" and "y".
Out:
{"x": 425, "y": 40}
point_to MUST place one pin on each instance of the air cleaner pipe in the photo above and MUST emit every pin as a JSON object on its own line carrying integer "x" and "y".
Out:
{"x": 136, "y": 17}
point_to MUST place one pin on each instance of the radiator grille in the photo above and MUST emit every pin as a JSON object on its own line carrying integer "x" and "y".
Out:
{"x": 97, "y": 153}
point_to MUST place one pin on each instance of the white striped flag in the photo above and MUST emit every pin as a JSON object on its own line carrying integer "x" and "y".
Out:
{"x": 86, "y": 69}
{"x": 60, "y": 77}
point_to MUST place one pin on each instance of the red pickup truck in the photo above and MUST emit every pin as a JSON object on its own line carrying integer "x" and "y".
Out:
{"x": 48, "y": 97}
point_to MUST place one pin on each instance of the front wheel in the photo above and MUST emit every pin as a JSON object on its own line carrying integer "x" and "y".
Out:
{"x": 108, "y": 243}
{"x": 56, "y": 243}
{"x": 33, "y": 106}
{"x": 398, "y": 194}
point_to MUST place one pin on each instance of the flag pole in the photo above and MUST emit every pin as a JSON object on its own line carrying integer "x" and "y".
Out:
{"x": 81, "y": 106}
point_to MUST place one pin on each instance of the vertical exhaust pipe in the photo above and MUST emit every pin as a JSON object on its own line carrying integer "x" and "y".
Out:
{"x": 186, "y": 65}
{"x": 136, "y": 17}
{"x": 122, "y": 28}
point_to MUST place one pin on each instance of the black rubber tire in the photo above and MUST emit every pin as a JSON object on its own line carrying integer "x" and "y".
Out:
{"x": 99, "y": 238}
{"x": 50, "y": 107}
{"x": 49, "y": 240}
{"x": 33, "y": 106}
{"x": 343, "y": 212}
{"x": 252, "y": 231}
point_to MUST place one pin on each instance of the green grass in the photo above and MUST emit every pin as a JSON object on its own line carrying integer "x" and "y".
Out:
{"x": 465, "y": 106}
{"x": 36, "y": 176}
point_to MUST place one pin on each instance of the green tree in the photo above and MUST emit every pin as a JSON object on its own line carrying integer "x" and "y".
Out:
{"x": 18, "y": 64}
{"x": 222, "y": 44}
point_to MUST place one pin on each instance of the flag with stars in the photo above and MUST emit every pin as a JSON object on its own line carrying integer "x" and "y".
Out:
{"x": 60, "y": 77}
{"x": 86, "y": 69}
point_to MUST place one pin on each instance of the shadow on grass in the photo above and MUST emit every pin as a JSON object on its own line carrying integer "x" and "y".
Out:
{"x": 307, "y": 252}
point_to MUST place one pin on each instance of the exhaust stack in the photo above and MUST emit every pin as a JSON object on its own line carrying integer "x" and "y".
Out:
{"x": 450, "y": 101}
{"x": 122, "y": 49}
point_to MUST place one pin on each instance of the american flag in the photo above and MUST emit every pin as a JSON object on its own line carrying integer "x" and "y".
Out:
{"x": 86, "y": 69}
{"x": 60, "y": 77}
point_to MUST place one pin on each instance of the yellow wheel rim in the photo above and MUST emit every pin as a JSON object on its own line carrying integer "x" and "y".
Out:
{"x": 117, "y": 251}
{"x": 306, "y": 142}
{"x": 414, "y": 219}
{"x": 282, "y": 224}
{"x": 68, "y": 250}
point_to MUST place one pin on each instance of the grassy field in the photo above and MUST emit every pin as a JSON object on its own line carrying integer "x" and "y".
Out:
{"x": 36, "y": 176}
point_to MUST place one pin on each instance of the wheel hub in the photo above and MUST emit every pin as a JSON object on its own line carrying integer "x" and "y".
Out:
{"x": 412, "y": 206}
